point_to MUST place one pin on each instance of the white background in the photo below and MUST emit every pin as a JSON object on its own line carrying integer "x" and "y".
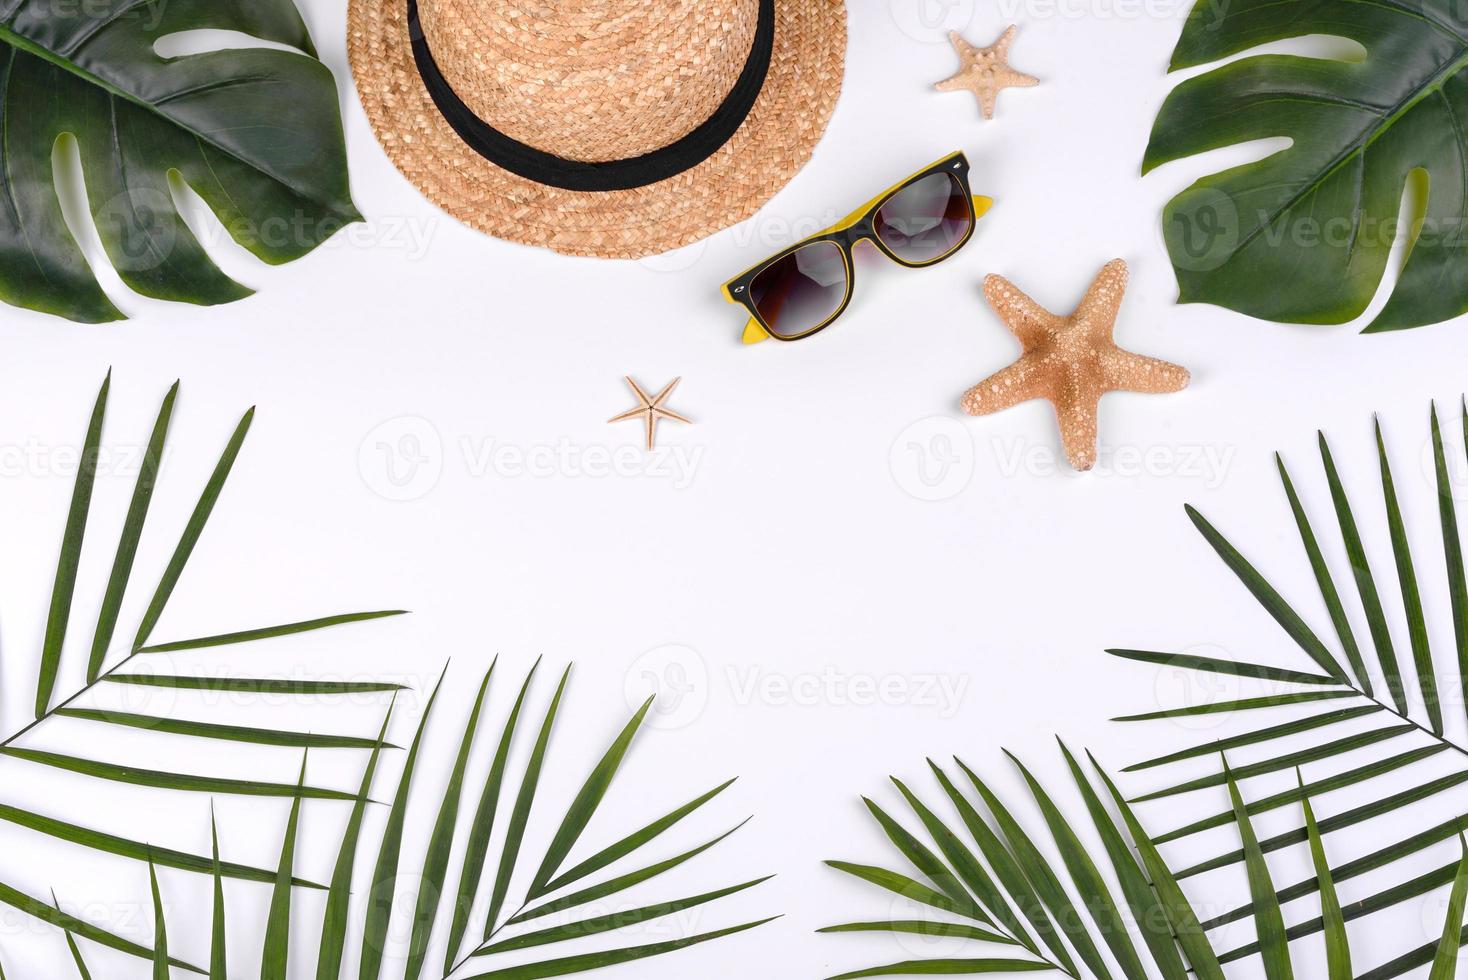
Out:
{"x": 797, "y": 558}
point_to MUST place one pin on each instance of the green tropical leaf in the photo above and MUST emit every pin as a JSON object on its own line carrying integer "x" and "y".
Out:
{"x": 43, "y": 912}
{"x": 197, "y": 520}
{"x": 1267, "y": 915}
{"x": 1146, "y": 910}
{"x": 1328, "y": 591}
{"x": 384, "y": 875}
{"x": 218, "y": 953}
{"x": 947, "y": 967}
{"x": 477, "y": 849}
{"x": 1007, "y": 870}
{"x": 171, "y": 780}
{"x": 271, "y": 166}
{"x": 132, "y": 534}
{"x": 214, "y": 730}
{"x": 64, "y": 586}
{"x": 1346, "y": 818}
{"x": 520, "y": 815}
{"x": 76, "y": 958}
{"x": 1337, "y": 943}
{"x": 253, "y": 685}
{"x": 596, "y": 893}
{"x": 1452, "y": 542}
{"x": 1272, "y": 602}
{"x": 1095, "y": 894}
{"x": 1320, "y": 787}
{"x": 440, "y": 842}
{"x": 612, "y": 957}
{"x": 1308, "y": 724}
{"x": 1402, "y": 834}
{"x": 902, "y": 885}
{"x": 584, "y": 806}
{"x": 1290, "y": 760}
{"x": 1317, "y": 219}
{"x": 1381, "y": 634}
{"x": 1445, "y": 963}
{"x": 975, "y": 879}
{"x": 336, "y": 917}
{"x": 160, "y": 929}
{"x": 1411, "y": 594}
{"x": 110, "y": 844}
{"x": 927, "y": 862}
{"x": 633, "y": 841}
{"x": 597, "y": 925}
{"x": 922, "y": 927}
{"x": 1190, "y": 935}
{"x": 275, "y": 960}
{"x": 269, "y": 632}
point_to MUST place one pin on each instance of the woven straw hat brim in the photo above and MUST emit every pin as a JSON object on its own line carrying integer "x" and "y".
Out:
{"x": 775, "y": 141}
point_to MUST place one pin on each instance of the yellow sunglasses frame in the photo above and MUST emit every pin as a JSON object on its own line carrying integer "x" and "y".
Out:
{"x": 736, "y": 290}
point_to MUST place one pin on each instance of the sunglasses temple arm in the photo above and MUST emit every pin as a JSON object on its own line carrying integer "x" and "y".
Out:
{"x": 754, "y": 332}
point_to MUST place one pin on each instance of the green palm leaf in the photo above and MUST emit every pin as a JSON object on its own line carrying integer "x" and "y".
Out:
{"x": 71, "y": 553}
{"x": 389, "y": 853}
{"x": 1337, "y": 943}
{"x": 132, "y": 535}
{"x": 275, "y": 960}
{"x": 194, "y": 529}
{"x": 477, "y": 849}
{"x": 335, "y": 919}
{"x": 1392, "y": 801}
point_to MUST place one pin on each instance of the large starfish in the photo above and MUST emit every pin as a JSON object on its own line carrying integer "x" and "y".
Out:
{"x": 984, "y": 71}
{"x": 1071, "y": 361}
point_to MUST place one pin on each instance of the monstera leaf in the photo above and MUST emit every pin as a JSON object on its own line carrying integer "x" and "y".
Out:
{"x": 1303, "y": 235}
{"x": 254, "y": 131}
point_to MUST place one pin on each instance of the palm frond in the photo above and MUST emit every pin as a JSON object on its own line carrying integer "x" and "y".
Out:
{"x": 1393, "y": 731}
{"x": 545, "y": 893}
{"x": 55, "y": 708}
{"x": 1056, "y": 901}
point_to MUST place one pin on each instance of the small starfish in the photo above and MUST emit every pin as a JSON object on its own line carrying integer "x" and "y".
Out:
{"x": 651, "y": 410}
{"x": 984, "y": 71}
{"x": 1071, "y": 361}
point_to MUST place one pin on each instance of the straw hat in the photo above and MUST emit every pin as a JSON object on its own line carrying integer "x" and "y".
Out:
{"x": 613, "y": 128}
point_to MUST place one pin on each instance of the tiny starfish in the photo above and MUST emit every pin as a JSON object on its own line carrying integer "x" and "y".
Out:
{"x": 1071, "y": 361}
{"x": 651, "y": 409}
{"x": 985, "y": 71}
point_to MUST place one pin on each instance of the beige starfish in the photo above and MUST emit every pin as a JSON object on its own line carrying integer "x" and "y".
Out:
{"x": 651, "y": 409}
{"x": 1071, "y": 361}
{"x": 984, "y": 71}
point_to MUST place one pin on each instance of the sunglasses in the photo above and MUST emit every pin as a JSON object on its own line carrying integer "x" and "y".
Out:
{"x": 917, "y": 222}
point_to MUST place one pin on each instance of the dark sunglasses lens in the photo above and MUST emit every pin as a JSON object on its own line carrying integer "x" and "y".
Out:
{"x": 801, "y": 291}
{"x": 925, "y": 220}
